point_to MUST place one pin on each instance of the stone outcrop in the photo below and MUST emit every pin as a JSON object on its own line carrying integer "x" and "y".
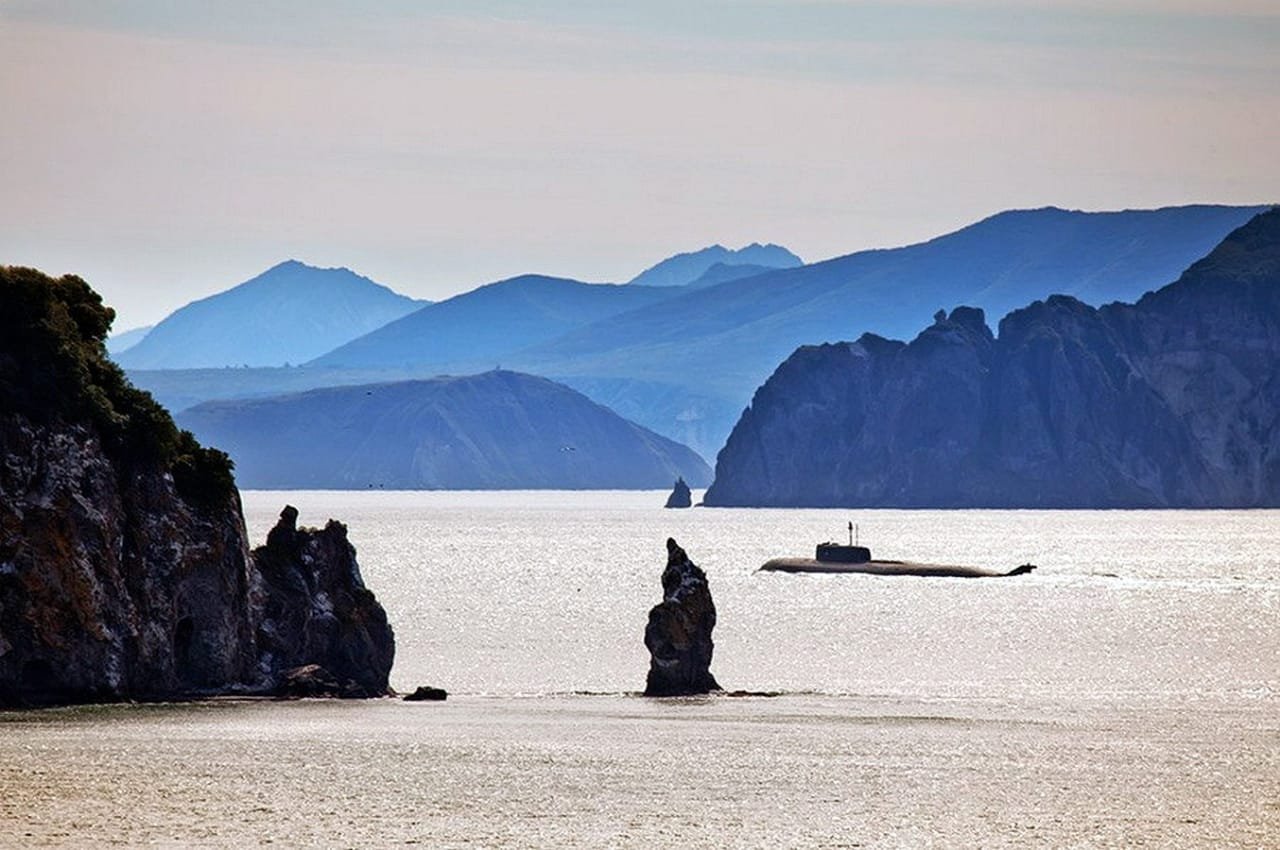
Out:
{"x": 317, "y": 610}
{"x": 125, "y": 570}
{"x": 680, "y": 497}
{"x": 679, "y": 631}
{"x": 427, "y": 693}
{"x": 1170, "y": 402}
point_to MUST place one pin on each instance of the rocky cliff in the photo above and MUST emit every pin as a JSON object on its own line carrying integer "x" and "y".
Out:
{"x": 678, "y": 634}
{"x": 125, "y": 570}
{"x": 1172, "y": 401}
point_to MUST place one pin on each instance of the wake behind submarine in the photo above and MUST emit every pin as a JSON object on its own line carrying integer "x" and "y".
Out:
{"x": 839, "y": 558}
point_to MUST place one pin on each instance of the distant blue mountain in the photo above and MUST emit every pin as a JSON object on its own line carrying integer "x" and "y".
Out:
{"x": 290, "y": 313}
{"x": 1171, "y": 401}
{"x": 684, "y": 269}
{"x": 478, "y": 329}
{"x": 124, "y": 340}
{"x": 723, "y": 341}
{"x": 725, "y": 272}
{"x": 497, "y": 430}
{"x": 684, "y": 361}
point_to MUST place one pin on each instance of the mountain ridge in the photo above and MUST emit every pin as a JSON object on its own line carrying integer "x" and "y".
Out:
{"x": 290, "y": 313}
{"x": 636, "y": 356}
{"x": 686, "y": 267}
{"x": 495, "y": 430}
{"x": 1171, "y": 401}
{"x": 490, "y": 321}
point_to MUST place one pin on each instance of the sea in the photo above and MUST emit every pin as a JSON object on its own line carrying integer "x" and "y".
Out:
{"x": 1125, "y": 694}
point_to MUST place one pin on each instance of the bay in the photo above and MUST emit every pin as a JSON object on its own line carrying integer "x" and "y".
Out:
{"x": 1127, "y": 693}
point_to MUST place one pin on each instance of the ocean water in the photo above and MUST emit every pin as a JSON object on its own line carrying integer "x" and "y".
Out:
{"x": 1126, "y": 694}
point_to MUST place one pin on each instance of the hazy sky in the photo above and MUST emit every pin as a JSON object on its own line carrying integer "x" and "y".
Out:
{"x": 166, "y": 150}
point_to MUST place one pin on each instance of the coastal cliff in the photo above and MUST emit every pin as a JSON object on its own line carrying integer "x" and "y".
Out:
{"x": 125, "y": 570}
{"x": 1170, "y": 402}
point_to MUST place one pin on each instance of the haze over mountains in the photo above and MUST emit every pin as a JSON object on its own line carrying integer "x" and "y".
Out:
{"x": 124, "y": 340}
{"x": 684, "y": 360}
{"x": 495, "y": 430}
{"x": 474, "y": 330}
{"x": 691, "y": 267}
{"x": 1170, "y": 402}
{"x": 289, "y": 314}
{"x": 724, "y": 272}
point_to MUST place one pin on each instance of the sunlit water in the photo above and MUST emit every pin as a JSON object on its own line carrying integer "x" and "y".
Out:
{"x": 1125, "y": 694}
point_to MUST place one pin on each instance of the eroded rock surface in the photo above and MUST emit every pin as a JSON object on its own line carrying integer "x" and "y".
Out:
{"x": 679, "y": 631}
{"x": 316, "y": 609}
{"x": 112, "y": 586}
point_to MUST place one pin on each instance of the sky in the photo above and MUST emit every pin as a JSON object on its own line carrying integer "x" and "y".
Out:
{"x": 166, "y": 150}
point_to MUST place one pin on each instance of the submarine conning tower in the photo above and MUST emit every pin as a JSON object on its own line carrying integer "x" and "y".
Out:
{"x": 841, "y": 554}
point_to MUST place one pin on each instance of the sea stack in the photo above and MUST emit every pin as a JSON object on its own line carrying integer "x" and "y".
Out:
{"x": 680, "y": 496}
{"x": 320, "y": 612}
{"x": 679, "y": 632}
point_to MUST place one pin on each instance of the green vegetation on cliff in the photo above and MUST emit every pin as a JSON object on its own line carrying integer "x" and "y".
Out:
{"x": 54, "y": 367}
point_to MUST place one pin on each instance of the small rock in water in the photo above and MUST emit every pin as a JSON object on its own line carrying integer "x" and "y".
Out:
{"x": 680, "y": 496}
{"x": 426, "y": 692}
{"x": 679, "y": 631}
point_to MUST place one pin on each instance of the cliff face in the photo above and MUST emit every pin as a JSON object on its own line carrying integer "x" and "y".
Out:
{"x": 125, "y": 570}
{"x": 112, "y": 585}
{"x": 1173, "y": 401}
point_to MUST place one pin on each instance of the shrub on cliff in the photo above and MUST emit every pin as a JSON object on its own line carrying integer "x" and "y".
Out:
{"x": 54, "y": 367}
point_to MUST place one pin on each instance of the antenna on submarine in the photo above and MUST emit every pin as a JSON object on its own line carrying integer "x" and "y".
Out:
{"x": 850, "y": 533}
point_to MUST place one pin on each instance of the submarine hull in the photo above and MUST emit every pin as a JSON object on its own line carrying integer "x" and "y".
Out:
{"x": 887, "y": 568}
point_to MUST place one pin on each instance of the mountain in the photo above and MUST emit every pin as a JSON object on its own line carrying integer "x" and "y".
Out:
{"x": 686, "y": 268}
{"x": 725, "y": 272}
{"x": 124, "y": 340}
{"x": 684, "y": 361}
{"x": 1170, "y": 402}
{"x": 737, "y": 332}
{"x": 477, "y": 328}
{"x": 495, "y": 430}
{"x": 290, "y": 313}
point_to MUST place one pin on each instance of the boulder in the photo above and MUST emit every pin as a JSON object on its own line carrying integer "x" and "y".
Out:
{"x": 426, "y": 693}
{"x": 679, "y": 631}
{"x": 680, "y": 496}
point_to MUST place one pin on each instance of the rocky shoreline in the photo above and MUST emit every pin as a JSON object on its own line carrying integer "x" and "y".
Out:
{"x": 125, "y": 568}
